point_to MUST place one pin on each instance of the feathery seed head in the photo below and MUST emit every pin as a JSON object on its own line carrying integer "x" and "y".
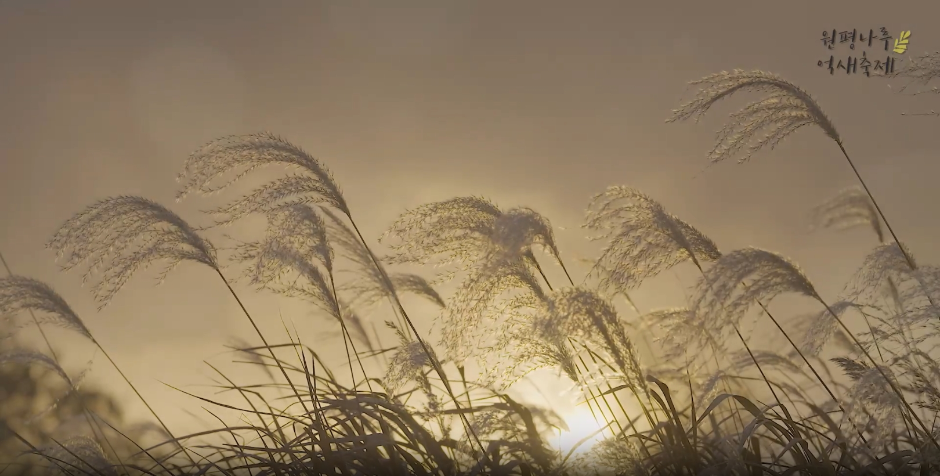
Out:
{"x": 275, "y": 261}
{"x": 516, "y": 230}
{"x": 822, "y": 327}
{"x": 408, "y": 363}
{"x": 368, "y": 292}
{"x": 121, "y": 235}
{"x": 849, "y": 208}
{"x": 721, "y": 299}
{"x": 28, "y": 357}
{"x": 297, "y": 228}
{"x": 922, "y": 69}
{"x": 467, "y": 230}
{"x": 450, "y": 230}
{"x": 19, "y": 293}
{"x": 467, "y": 311}
{"x": 583, "y": 314}
{"x": 528, "y": 340}
{"x": 79, "y": 455}
{"x": 885, "y": 262}
{"x": 782, "y": 112}
{"x": 238, "y": 156}
{"x": 643, "y": 240}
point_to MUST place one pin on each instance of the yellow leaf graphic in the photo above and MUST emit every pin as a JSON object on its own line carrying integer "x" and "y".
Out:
{"x": 900, "y": 44}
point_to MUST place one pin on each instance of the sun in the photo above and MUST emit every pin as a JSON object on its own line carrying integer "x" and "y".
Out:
{"x": 581, "y": 424}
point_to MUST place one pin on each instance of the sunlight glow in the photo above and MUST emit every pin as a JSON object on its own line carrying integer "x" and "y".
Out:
{"x": 581, "y": 424}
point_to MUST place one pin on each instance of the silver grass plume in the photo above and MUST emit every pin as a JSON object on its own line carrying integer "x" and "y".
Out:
{"x": 280, "y": 260}
{"x": 452, "y": 231}
{"x": 582, "y": 314}
{"x": 374, "y": 283}
{"x": 28, "y": 357}
{"x": 886, "y": 261}
{"x": 296, "y": 246}
{"x": 19, "y": 293}
{"x": 822, "y": 328}
{"x": 871, "y": 400}
{"x": 493, "y": 246}
{"x": 643, "y": 239}
{"x": 120, "y": 235}
{"x": 915, "y": 291}
{"x": 368, "y": 293}
{"x": 518, "y": 229}
{"x": 685, "y": 333}
{"x": 527, "y": 339}
{"x": 238, "y": 156}
{"x": 785, "y": 109}
{"x": 723, "y": 302}
{"x": 851, "y": 207}
{"x": 294, "y": 228}
{"x": 921, "y": 69}
{"x": 78, "y": 455}
{"x": 922, "y": 284}
{"x": 463, "y": 230}
{"x": 409, "y": 364}
{"x": 466, "y": 318}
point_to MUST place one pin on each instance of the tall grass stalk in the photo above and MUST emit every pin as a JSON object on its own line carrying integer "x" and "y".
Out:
{"x": 241, "y": 154}
{"x": 785, "y": 109}
{"x": 92, "y": 422}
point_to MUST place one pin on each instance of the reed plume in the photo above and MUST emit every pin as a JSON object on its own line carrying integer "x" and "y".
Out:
{"x": 237, "y": 156}
{"x": 785, "y": 109}
{"x": 849, "y": 208}
{"x": 464, "y": 231}
{"x": 494, "y": 248}
{"x": 772, "y": 275}
{"x": 643, "y": 239}
{"x": 19, "y": 293}
{"x": 723, "y": 302}
{"x": 118, "y": 236}
{"x": 527, "y": 339}
{"x": 920, "y": 69}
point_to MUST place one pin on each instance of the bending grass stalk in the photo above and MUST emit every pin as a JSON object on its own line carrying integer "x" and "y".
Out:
{"x": 92, "y": 423}
{"x": 437, "y": 368}
{"x": 610, "y": 389}
{"x": 142, "y": 399}
{"x": 761, "y": 370}
{"x": 893, "y": 386}
{"x": 263, "y": 340}
{"x": 348, "y": 340}
{"x": 907, "y": 256}
{"x": 587, "y": 371}
{"x": 810, "y": 365}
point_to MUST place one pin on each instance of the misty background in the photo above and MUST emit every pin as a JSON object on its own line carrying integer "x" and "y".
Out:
{"x": 528, "y": 103}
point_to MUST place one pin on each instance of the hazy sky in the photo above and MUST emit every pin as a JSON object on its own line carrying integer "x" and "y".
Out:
{"x": 535, "y": 103}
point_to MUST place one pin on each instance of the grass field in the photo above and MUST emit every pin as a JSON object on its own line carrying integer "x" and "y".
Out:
{"x": 851, "y": 388}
